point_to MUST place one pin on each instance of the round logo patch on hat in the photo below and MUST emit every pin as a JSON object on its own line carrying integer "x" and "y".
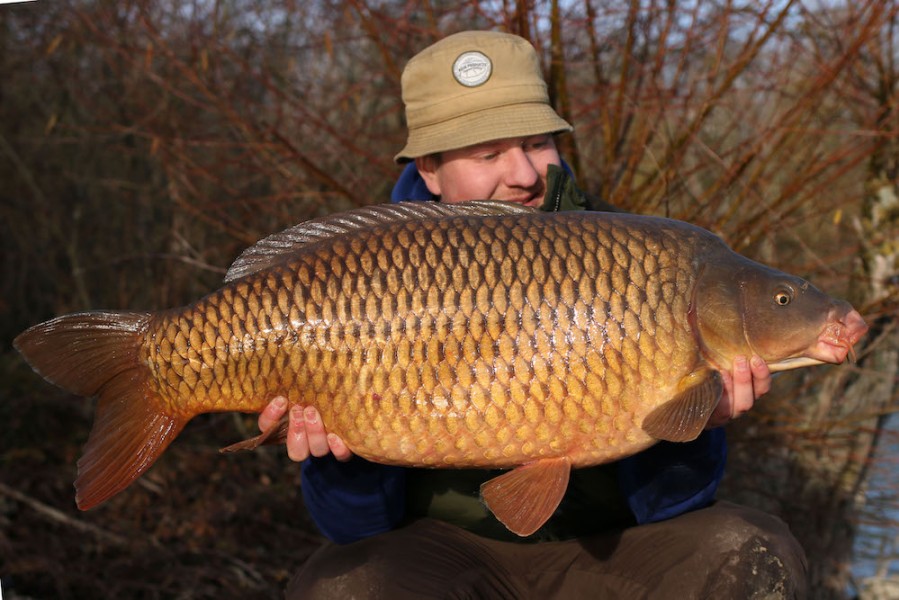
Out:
{"x": 472, "y": 69}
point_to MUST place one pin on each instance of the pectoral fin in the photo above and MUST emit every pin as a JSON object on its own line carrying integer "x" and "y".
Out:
{"x": 525, "y": 497}
{"x": 276, "y": 434}
{"x": 683, "y": 418}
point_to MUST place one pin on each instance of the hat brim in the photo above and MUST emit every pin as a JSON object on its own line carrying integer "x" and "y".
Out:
{"x": 497, "y": 123}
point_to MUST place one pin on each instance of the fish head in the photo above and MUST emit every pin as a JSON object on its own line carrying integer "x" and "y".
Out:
{"x": 741, "y": 307}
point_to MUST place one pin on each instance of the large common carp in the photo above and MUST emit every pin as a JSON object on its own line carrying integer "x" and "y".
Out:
{"x": 431, "y": 335}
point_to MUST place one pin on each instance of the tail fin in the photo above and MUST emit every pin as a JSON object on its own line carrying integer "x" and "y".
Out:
{"x": 96, "y": 354}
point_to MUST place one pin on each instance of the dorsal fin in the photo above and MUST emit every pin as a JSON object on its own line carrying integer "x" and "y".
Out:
{"x": 277, "y": 247}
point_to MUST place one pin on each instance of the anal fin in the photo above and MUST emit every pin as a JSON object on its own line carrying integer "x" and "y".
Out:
{"x": 276, "y": 434}
{"x": 526, "y": 497}
{"x": 685, "y": 416}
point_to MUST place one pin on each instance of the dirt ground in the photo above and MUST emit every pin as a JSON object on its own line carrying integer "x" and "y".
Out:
{"x": 198, "y": 525}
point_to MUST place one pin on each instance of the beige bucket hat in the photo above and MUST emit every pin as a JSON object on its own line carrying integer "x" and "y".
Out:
{"x": 474, "y": 87}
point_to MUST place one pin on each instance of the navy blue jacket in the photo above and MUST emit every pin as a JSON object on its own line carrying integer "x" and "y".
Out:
{"x": 357, "y": 499}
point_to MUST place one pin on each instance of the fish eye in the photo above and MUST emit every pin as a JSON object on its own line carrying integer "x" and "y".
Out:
{"x": 783, "y": 298}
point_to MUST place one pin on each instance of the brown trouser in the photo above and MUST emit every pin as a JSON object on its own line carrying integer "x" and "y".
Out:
{"x": 724, "y": 551}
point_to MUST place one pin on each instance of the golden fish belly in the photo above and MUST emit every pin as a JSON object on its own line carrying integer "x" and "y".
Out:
{"x": 449, "y": 342}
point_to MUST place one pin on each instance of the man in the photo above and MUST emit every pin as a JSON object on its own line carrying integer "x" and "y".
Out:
{"x": 481, "y": 127}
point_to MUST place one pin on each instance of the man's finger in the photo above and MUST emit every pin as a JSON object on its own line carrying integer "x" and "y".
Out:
{"x": 338, "y": 448}
{"x": 724, "y": 410}
{"x": 297, "y": 444}
{"x": 761, "y": 376}
{"x": 315, "y": 433}
{"x": 743, "y": 393}
{"x": 272, "y": 412}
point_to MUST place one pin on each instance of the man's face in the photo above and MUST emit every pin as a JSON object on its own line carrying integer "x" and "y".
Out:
{"x": 513, "y": 170}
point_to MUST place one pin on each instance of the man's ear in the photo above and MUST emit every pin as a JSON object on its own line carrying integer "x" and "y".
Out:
{"x": 427, "y": 168}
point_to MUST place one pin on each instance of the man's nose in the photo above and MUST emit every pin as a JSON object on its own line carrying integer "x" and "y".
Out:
{"x": 520, "y": 169}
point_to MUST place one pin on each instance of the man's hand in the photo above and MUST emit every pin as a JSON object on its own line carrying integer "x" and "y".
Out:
{"x": 305, "y": 432}
{"x": 749, "y": 380}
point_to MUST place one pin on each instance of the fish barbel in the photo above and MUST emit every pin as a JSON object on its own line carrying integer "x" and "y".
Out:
{"x": 451, "y": 336}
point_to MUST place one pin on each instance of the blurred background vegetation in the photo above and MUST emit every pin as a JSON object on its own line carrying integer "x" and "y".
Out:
{"x": 144, "y": 144}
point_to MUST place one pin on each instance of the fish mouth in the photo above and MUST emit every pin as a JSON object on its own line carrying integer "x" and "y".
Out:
{"x": 839, "y": 337}
{"x": 834, "y": 344}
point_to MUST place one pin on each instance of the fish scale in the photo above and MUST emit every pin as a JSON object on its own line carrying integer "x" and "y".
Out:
{"x": 457, "y": 365}
{"x": 477, "y": 335}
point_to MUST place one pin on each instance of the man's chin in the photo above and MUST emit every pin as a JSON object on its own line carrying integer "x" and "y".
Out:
{"x": 534, "y": 202}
